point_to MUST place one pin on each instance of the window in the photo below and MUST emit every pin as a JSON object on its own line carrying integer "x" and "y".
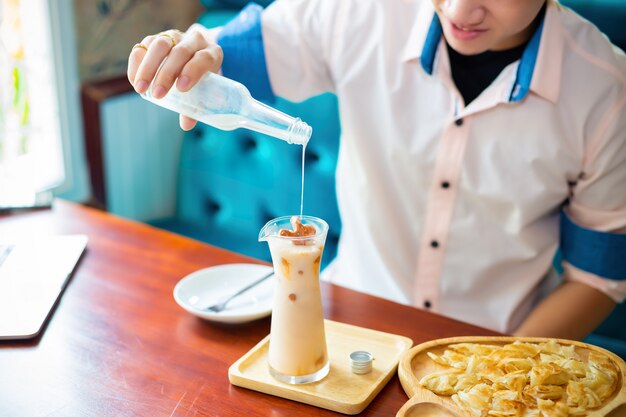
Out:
{"x": 31, "y": 151}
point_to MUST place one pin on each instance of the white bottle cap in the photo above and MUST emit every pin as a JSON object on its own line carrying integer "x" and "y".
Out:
{"x": 361, "y": 362}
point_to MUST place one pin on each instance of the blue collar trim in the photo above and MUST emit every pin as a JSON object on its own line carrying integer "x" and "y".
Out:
{"x": 427, "y": 59}
{"x": 526, "y": 67}
{"x": 525, "y": 70}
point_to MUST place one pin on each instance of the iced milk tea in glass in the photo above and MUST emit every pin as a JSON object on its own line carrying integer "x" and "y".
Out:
{"x": 297, "y": 350}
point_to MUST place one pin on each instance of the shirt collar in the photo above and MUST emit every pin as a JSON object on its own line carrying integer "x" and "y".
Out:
{"x": 431, "y": 43}
{"x": 546, "y": 77}
{"x": 416, "y": 40}
{"x": 539, "y": 68}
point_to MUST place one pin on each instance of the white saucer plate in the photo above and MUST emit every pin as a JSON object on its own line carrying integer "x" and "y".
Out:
{"x": 208, "y": 286}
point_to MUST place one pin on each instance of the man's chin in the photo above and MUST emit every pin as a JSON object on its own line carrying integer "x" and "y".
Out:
{"x": 466, "y": 48}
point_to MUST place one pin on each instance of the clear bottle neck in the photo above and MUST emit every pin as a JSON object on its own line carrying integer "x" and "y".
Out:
{"x": 265, "y": 119}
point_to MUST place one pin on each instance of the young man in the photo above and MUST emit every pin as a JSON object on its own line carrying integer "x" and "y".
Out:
{"x": 466, "y": 126}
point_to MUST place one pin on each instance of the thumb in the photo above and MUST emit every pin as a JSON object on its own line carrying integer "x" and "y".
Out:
{"x": 186, "y": 123}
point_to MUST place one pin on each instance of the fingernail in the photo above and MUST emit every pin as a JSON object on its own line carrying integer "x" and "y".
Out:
{"x": 141, "y": 86}
{"x": 158, "y": 91}
{"x": 183, "y": 82}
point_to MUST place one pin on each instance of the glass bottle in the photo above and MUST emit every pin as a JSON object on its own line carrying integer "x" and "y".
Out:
{"x": 226, "y": 104}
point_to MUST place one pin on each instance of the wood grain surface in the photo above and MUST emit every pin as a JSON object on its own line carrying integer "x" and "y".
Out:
{"x": 415, "y": 364}
{"x": 118, "y": 345}
{"x": 341, "y": 390}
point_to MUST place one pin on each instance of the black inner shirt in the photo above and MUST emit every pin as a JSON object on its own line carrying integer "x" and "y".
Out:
{"x": 473, "y": 73}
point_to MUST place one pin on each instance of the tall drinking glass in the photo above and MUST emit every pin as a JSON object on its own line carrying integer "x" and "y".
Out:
{"x": 297, "y": 351}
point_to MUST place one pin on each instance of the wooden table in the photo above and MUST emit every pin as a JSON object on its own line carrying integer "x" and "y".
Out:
{"x": 118, "y": 345}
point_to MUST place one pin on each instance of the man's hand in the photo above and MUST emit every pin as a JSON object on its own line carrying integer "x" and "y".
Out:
{"x": 572, "y": 311}
{"x": 189, "y": 57}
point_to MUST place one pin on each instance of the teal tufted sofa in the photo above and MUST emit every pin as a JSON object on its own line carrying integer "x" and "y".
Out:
{"x": 608, "y": 15}
{"x": 231, "y": 183}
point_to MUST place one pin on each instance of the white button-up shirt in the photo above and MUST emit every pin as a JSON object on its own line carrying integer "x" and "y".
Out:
{"x": 449, "y": 206}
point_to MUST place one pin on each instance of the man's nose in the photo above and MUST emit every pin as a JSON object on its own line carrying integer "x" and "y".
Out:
{"x": 464, "y": 12}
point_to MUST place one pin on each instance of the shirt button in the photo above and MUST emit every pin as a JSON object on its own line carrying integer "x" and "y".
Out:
{"x": 458, "y": 122}
{"x": 445, "y": 184}
{"x": 427, "y": 304}
{"x": 434, "y": 244}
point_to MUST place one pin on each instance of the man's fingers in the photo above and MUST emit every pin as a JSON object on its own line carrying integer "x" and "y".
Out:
{"x": 170, "y": 57}
{"x": 159, "y": 46}
{"x": 134, "y": 59}
{"x": 180, "y": 55}
{"x": 205, "y": 60}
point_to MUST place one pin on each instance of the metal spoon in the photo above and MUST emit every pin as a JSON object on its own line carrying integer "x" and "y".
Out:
{"x": 221, "y": 305}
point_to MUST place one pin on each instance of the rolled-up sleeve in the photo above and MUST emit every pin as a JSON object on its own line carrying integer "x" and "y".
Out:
{"x": 593, "y": 226}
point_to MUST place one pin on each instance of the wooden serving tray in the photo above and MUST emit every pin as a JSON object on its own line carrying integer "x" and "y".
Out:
{"x": 424, "y": 403}
{"x": 341, "y": 390}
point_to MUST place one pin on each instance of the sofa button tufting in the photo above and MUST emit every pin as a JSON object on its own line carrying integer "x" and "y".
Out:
{"x": 249, "y": 143}
{"x": 266, "y": 216}
{"x": 212, "y": 206}
{"x": 198, "y": 133}
{"x": 311, "y": 156}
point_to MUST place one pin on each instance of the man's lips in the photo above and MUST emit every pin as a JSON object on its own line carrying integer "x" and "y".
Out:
{"x": 465, "y": 34}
